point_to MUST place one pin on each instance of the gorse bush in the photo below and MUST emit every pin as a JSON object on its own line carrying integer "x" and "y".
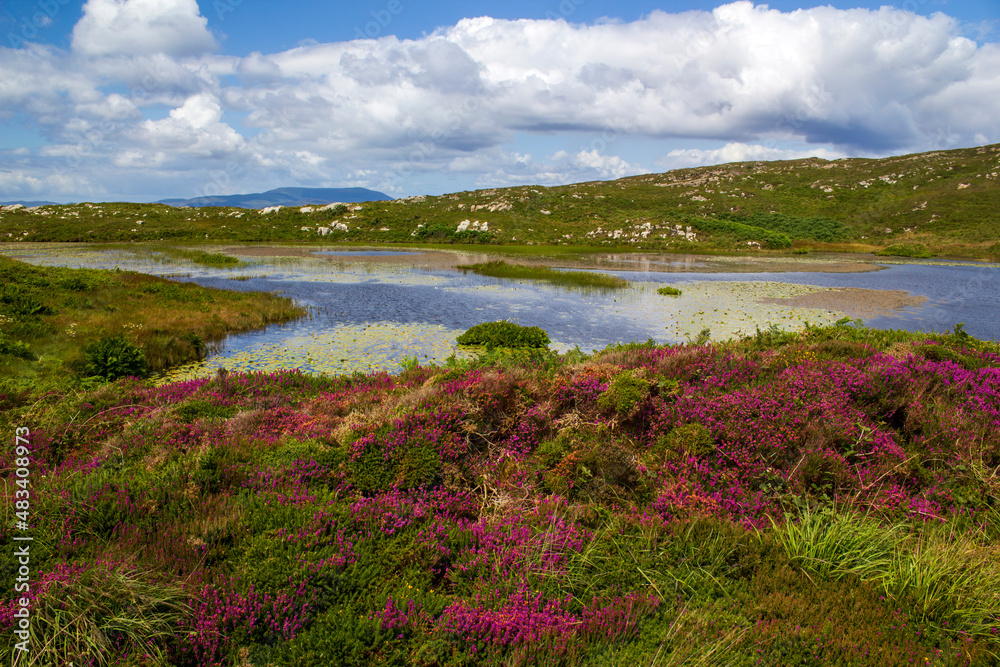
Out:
{"x": 114, "y": 357}
{"x": 504, "y": 334}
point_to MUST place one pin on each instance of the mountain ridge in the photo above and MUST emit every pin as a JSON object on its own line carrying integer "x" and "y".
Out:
{"x": 285, "y": 196}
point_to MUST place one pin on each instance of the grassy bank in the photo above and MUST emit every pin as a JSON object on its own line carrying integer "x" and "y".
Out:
{"x": 584, "y": 279}
{"x": 820, "y": 498}
{"x": 51, "y": 316}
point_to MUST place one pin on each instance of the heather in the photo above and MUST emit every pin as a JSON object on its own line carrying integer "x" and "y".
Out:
{"x": 825, "y": 497}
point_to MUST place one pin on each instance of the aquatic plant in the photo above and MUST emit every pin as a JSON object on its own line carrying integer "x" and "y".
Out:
{"x": 588, "y": 279}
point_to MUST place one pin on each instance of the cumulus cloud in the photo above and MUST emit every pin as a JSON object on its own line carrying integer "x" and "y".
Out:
{"x": 142, "y": 90}
{"x": 134, "y": 27}
{"x": 739, "y": 152}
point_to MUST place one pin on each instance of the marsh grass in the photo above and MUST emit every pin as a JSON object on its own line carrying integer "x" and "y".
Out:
{"x": 951, "y": 580}
{"x": 101, "y": 615}
{"x": 59, "y": 312}
{"x": 202, "y": 258}
{"x": 585, "y": 279}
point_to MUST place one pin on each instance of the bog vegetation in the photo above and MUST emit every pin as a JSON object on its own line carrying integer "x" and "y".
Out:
{"x": 61, "y": 325}
{"x": 825, "y": 497}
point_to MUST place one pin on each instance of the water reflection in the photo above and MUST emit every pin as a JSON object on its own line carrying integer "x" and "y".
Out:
{"x": 372, "y": 310}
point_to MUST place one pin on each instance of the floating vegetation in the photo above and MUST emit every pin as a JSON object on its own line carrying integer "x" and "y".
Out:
{"x": 733, "y": 308}
{"x": 669, "y": 291}
{"x": 342, "y": 349}
{"x": 501, "y": 269}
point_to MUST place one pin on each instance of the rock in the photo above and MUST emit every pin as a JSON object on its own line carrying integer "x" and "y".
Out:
{"x": 306, "y": 209}
{"x": 270, "y": 209}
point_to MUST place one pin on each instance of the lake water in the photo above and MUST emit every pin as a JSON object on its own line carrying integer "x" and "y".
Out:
{"x": 370, "y": 309}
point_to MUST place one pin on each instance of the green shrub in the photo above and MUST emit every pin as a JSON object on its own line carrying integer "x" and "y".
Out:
{"x": 504, "y": 334}
{"x": 114, "y": 357}
{"x": 372, "y": 472}
{"x": 15, "y": 348}
{"x": 669, "y": 291}
{"x": 817, "y": 227}
{"x": 22, "y": 303}
{"x": 421, "y": 466}
{"x": 692, "y": 439}
{"x": 626, "y": 391}
{"x": 194, "y": 410}
{"x": 741, "y": 232}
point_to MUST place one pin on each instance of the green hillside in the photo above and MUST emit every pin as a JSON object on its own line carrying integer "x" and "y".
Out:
{"x": 943, "y": 202}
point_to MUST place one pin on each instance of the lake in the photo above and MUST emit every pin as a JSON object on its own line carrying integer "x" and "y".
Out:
{"x": 371, "y": 308}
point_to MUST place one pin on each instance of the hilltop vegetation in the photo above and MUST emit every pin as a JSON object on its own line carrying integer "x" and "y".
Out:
{"x": 827, "y": 497}
{"x": 947, "y": 201}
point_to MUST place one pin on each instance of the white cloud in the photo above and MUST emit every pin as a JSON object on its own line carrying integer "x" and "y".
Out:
{"x": 134, "y": 27}
{"x": 739, "y": 152}
{"x": 141, "y": 97}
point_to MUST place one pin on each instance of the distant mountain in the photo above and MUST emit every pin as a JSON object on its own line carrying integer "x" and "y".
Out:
{"x": 285, "y": 197}
{"x": 28, "y": 203}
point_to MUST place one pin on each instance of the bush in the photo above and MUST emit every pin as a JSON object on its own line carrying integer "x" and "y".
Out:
{"x": 625, "y": 393}
{"x": 15, "y": 348}
{"x": 687, "y": 439}
{"x": 669, "y": 291}
{"x": 504, "y": 334}
{"x": 817, "y": 228}
{"x": 113, "y": 357}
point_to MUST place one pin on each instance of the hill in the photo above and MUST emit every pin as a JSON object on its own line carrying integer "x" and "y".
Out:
{"x": 944, "y": 202}
{"x": 285, "y": 197}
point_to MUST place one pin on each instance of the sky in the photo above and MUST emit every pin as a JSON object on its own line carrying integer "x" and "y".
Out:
{"x": 140, "y": 100}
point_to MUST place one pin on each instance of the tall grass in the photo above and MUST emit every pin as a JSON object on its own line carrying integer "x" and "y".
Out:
{"x": 501, "y": 269}
{"x": 950, "y": 579}
{"x": 101, "y": 616}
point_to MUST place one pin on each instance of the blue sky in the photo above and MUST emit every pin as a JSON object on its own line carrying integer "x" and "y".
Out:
{"x": 146, "y": 99}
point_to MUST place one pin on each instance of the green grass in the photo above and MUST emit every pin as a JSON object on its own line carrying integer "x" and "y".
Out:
{"x": 52, "y": 316}
{"x": 213, "y": 259}
{"x": 944, "y": 200}
{"x": 905, "y": 250}
{"x": 949, "y": 579}
{"x": 669, "y": 291}
{"x": 501, "y": 269}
